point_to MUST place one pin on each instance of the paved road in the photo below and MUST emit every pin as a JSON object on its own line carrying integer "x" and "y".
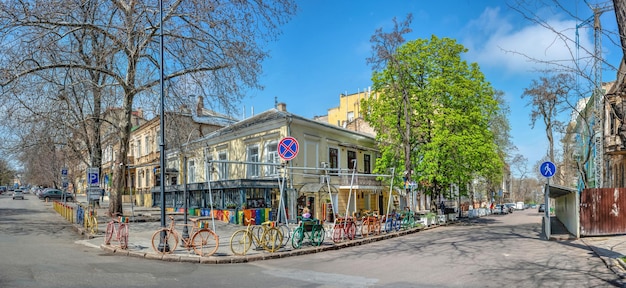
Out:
{"x": 39, "y": 249}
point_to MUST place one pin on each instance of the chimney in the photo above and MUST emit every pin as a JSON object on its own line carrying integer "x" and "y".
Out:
{"x": 200, "y": 106}
{"x": 281, "y": 107}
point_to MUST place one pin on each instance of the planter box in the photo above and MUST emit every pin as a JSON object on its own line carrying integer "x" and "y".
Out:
{"x": 441, "y": 219}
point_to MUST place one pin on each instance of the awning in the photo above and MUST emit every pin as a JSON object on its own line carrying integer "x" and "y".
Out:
{"x": 557, "y": 191}
{"x": 317, "y": 187}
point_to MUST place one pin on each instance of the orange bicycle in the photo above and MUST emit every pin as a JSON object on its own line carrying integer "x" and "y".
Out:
{"x": 203, "y": 240}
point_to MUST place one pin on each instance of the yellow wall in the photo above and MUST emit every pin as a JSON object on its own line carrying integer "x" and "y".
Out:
{"x": 347, "y": 104}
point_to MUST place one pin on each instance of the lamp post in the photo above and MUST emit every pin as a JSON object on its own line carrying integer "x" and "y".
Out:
{"x": 163, "y": 247}
{"x": 185, "y": 198}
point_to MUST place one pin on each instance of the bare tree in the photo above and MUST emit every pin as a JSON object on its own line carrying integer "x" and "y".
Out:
{"x": 111, "y": 49}
{"x": 547, "y": 97}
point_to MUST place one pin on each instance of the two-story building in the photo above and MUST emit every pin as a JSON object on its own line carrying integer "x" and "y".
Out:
{"x": 238, "y": 168}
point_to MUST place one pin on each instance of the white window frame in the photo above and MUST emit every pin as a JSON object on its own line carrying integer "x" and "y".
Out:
{"x": 271, "y": 156}
{"x": 222, "y": 167}
{"x": 252, "y": 170}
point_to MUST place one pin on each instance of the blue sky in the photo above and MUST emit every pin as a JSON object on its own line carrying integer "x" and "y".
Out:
{"x": 322, "y": 52}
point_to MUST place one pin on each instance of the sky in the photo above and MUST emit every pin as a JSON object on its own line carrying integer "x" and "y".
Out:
{"x": 323, "y": 49}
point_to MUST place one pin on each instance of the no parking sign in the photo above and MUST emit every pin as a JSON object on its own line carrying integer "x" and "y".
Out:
{"x": 288, "y": 148}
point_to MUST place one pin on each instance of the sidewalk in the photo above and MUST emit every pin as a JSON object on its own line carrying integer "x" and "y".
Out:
{"x": 147, "y": 220}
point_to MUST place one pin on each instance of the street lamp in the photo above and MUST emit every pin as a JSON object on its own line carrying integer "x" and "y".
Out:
{"x": 186, "y": 198}
{"x": 163, "y": 247}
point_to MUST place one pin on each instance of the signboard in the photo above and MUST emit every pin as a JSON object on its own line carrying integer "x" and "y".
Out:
{"x": 93, "y": 177}
{"x": 288, "y": 148}
{"x": 64, "y": 172}
{"x": 94, "y": 194}
{"x": 547, "y": 169}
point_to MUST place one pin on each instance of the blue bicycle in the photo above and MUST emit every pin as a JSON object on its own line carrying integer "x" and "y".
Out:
{"x": 392, "y": 222}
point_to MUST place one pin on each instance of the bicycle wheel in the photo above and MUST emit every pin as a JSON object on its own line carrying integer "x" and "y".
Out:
{"x": 337, "y": 233}
{"x": 298, "y": 236}
{"x": 318, "y": 235}
{"x": 365, "y": 228}
{"x": 258, "y": 232}
{"x": 108, "y": 234}
{"x": 165, "y": 237}
{"x": 205, "y": 242}
{"x": 93, "y": 225}
{"x": 272, "y": 239}
{"x": 123, "y": 233}
{"x": 351, "y": 231}
{"x": 240, "y": 242}
{"x": 376, "y": 227}
{"x": 284, "y": 229}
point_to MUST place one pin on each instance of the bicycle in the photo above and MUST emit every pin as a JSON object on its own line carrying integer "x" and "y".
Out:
{"x": 91, "y": 222}
{"x": 308, "y": 228}
{"x": 392, "y": 222}
{"x": 203, "y": 240}
{"x": 344, "y": 227}
{"x": 271, "y": 238}
{"x": 80, "y": 215}
{"x": 370, "y": 225}
{"x": 120, "y": 232}
{"x": 407, "y": 220}
{"x": 284, "y": 229}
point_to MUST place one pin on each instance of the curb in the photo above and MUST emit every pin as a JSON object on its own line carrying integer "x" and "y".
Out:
{"x": 232, "y": 259}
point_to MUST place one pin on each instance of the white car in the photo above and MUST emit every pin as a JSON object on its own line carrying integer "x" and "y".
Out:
{"x": 18, "y": 194}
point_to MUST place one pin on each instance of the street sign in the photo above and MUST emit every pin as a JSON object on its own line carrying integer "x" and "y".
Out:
{"x": 547, "y": 169}
{"x": 64, "y": 172}
{"x": 288, "y": 148}
{"x": 93, "y": 177}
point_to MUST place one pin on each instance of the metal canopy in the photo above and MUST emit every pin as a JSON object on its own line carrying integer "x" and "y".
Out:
{"x": 556, "y": 191}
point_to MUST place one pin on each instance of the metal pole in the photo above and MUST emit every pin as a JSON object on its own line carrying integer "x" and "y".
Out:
{"x": 130, "y": 188}
{"x": 163, "y": 247}
{"x": 185, "y": 198}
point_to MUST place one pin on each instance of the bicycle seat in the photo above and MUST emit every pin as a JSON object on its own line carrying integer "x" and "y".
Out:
{"x": 192, "y": 219}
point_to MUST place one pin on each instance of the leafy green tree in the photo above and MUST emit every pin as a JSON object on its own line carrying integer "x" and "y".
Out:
{"x": 432, "y": 112}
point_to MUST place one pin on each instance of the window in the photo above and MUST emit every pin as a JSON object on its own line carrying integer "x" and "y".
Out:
{"x": 367, "y": 164}
{"x": 351, "y": 159}
{"x": 222, "y": 169}
{"x": 253, "y": 156}
{"x": 147, "y": 178}
{"x": 191, "y": 171}
{"x": 333, "y": 159}
{"x": 350, "y": 116}
{"x": 147, "y": 143}
{"x": 158, "y": 141}
{"x": 271, "y": 156}
{"x": 139, "y": 148}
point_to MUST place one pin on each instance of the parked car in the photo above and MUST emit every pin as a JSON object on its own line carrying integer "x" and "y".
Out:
{"x": 542, "y": 208}
{"x": 510, "y": 206}
{"x": 18, "y": 194}
{"x": 501, "y": 209}
{"x": 56, "y": 194}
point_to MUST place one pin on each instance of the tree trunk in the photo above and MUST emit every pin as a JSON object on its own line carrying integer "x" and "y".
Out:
{"x": 119, "y": 171}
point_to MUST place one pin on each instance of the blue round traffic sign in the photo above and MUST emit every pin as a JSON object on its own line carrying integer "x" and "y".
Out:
{"x": 288, "y": 148}
{"x": 547, "y": 169}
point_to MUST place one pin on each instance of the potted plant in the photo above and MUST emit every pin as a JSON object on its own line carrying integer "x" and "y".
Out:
{"x": 430, "y": 218}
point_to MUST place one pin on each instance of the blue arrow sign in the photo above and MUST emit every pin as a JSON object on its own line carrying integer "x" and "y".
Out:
{"x": 547, "y": 169}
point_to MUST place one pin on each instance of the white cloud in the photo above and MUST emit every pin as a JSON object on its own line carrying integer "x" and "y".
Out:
{"x": 494, "y": 40}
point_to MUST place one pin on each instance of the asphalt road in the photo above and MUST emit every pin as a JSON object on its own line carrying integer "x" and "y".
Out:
{"x": 38, "y": 248}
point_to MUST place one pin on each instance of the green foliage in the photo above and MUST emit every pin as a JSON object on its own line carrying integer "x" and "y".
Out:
{"x": 447, "y": 105}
